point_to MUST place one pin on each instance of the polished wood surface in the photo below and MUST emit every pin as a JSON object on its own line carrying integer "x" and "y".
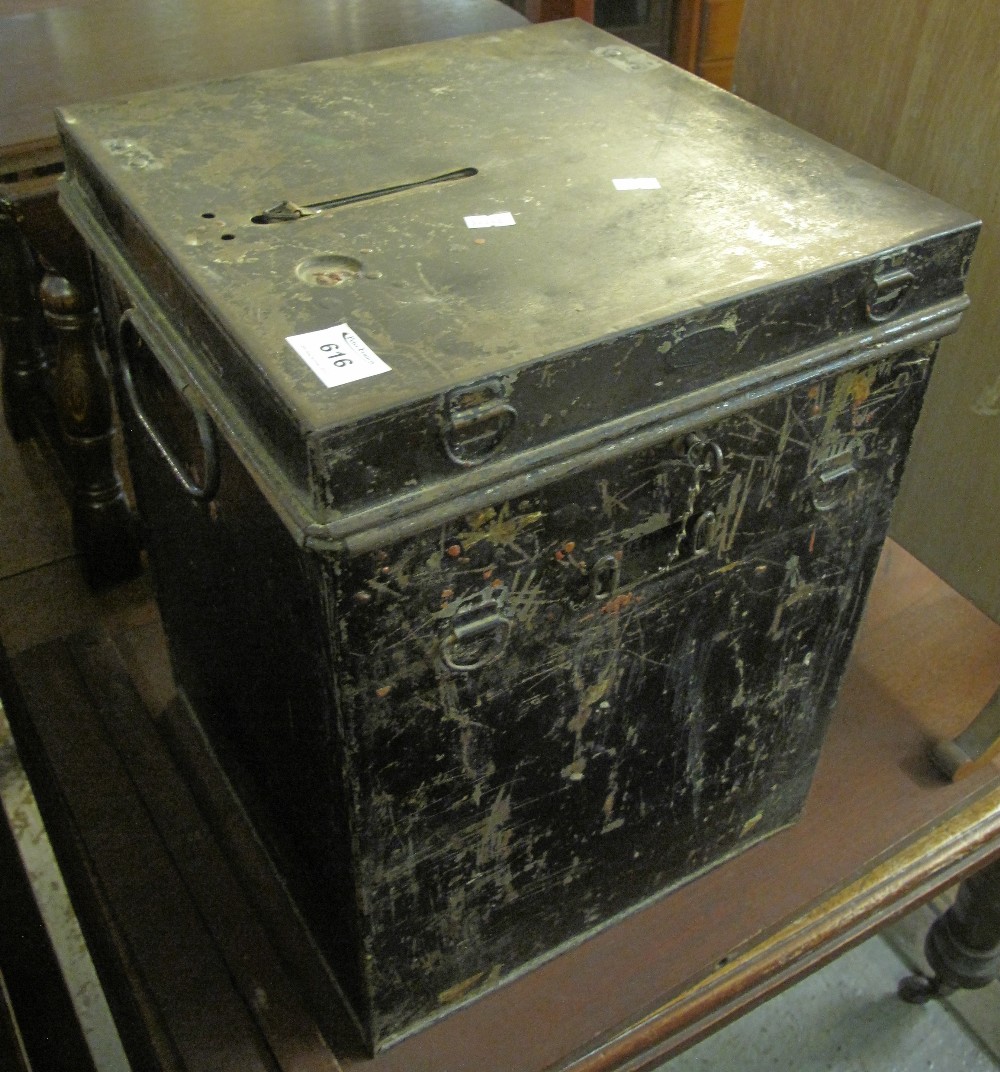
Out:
{"x": 547, "y": 10}
{"x": 881, "y": 831}
{"x": 914, "y": 88}
{"x": 76, "y": 50}
{"x": 705, "y": 35}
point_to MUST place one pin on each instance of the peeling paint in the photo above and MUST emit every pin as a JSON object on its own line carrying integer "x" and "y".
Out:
{"x": 499, "y": 528}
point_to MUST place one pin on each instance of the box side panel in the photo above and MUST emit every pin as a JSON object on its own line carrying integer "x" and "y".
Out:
{"x": 244, "y": 611}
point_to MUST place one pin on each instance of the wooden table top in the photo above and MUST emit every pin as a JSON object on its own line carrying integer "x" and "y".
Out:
{"x": 55, "y": 52}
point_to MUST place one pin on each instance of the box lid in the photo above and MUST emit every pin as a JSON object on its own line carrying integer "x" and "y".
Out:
{"x": 522, "y": 237}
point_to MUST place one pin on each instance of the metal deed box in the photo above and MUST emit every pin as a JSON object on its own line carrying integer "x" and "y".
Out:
{"x": 515, "y": 420}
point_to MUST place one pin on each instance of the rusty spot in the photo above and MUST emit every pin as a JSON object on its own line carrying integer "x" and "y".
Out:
{"x": 859, "y": 388}
{"x": 569, "y": 547}
{"x": 751, "y": 823}
{"x": 454, "y": 551}
{"x": 618, "y": 603}
{"x": 459, "y": 990}
{"x": 498, "y": 528}
{"x": 447, "y": 593}
{"x": 573, "y": 772}
{"x": 559, "y": 556}
{"x": 383, "y": 691}
{"x": 497, "y": 583}
{"x": 362, "y": 596}
{"x": 812, "y": 541}
{"x": 327, "y": 270}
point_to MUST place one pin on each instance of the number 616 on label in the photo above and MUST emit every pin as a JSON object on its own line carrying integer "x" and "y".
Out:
{"x": 337, "y": 355}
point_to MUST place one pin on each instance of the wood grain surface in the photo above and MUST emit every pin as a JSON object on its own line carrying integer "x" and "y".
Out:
{"x": 914, "y": 88}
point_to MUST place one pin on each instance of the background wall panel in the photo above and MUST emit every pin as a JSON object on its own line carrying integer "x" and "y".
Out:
{"x": 914, "y": 88}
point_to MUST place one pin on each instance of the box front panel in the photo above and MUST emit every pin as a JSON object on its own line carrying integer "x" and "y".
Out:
{"x": 563, "y": 704}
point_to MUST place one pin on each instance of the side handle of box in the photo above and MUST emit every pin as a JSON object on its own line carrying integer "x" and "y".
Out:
{"x": 131, "y": 323}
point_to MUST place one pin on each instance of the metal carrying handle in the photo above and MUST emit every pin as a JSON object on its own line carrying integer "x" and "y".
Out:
{"x": 206, "y": 429}
{"x": 887, "y": 292}
{"x": 461, "y": 419}
{"x": 605, "y": 576}
{"x": 497, "y": 624}
{"x": 481, "y": 615}
{"x": 835, "y": 484}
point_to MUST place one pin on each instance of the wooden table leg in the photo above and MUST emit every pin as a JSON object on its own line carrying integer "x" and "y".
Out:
{"x": 20, "y": 353}
{"x": 104, "y": 527}
{"x": 974, "y": 747}
{"x": 54, "y": 384}
{"x": 963, "y": 945}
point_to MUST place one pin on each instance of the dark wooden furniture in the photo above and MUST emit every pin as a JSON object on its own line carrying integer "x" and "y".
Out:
{"x": 704, "y": 36}
{"x": 549, "y": 10}
{"x": 53, "y": 379}
{"x": 962, "y": 945}
{"x": 545, "y": 10}
{"x": 197, "y": 981}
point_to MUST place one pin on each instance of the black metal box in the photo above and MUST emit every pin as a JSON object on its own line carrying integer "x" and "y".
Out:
{"x": 516, "y": 421}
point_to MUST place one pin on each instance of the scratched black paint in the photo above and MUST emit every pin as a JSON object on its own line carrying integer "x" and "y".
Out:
{"x": 617, "y": 744}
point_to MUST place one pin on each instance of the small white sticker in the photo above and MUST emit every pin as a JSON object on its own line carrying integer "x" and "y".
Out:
{"x": 636, "y": 184}
{"x": 498, "y": 219}
{"x": 337, "y": 355}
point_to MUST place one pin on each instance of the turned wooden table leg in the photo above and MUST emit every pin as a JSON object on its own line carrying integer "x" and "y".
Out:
{"x": 976, "y": 746}
{"x": 963, "y": 945}
{"x": 104, "y": 530}
{"x": 23, "y": 364}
